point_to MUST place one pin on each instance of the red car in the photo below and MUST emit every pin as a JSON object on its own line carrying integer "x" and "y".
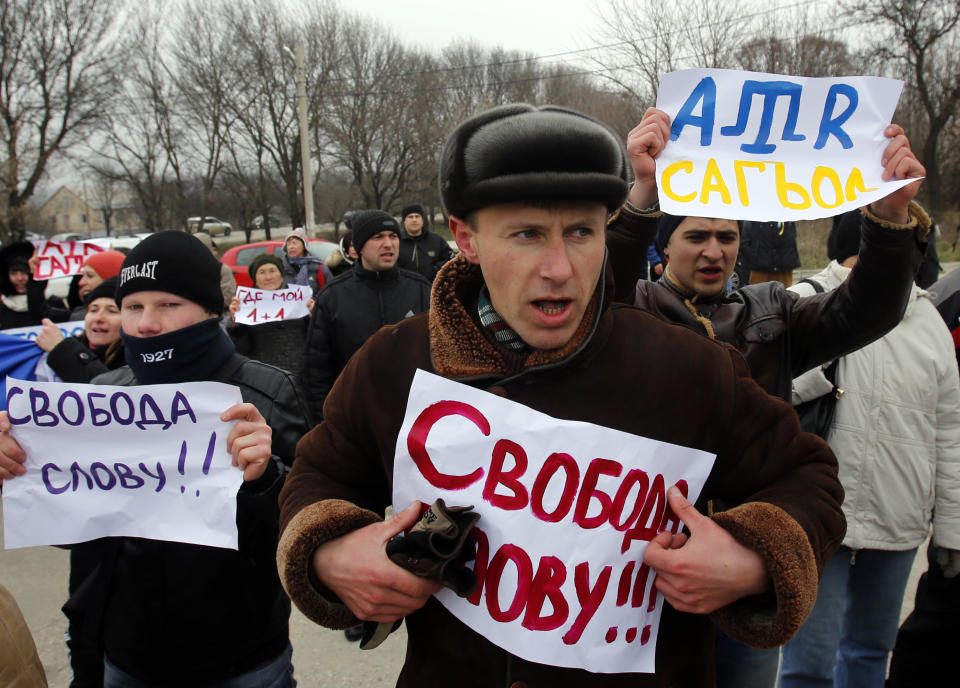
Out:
{"x": 239, "y": 257}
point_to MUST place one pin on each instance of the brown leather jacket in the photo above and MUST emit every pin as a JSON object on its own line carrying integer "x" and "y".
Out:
{"x": 780, "y": 333}
{"x": 781, "y": 485}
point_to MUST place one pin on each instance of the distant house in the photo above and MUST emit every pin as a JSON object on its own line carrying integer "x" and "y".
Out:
{"x": 68, "y": 211}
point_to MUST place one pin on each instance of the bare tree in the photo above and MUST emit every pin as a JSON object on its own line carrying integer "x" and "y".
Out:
{"x": 368, "y": 122}
{"x": 810, "y": 55}
{"x": 649, "y": 38}
{"x": 57, "y": 62}
{"x": 201, "y": 66}
{"x": 143, "y": 133}
{"x": 266, "y": 106}
{"x": 921, "y": 38}
{"x": 104, "y": 193}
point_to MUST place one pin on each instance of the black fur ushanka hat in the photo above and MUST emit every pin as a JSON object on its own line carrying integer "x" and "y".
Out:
{"x": 519, "y": 152}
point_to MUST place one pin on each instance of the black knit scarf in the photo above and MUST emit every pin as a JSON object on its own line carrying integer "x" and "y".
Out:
{"x": 189, "y": 354}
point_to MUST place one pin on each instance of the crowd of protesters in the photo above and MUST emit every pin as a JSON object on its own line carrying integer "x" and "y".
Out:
{"x": 573, "y": 293}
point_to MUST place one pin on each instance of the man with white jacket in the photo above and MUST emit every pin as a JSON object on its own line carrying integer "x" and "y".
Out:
{"x": 896, "y": 435}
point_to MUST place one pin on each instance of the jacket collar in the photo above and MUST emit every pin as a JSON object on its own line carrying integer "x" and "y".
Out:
{"x": 420, "y": 237}
{"x": 376, "y": 275}
{"x": 462, "y": 348}
{"x": 723, "y": 296}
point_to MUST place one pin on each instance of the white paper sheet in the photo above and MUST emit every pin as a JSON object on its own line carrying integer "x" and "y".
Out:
{"x": 749, "y": 146}
{"x": 148, "y": 461}
{"x": 259, "y": 306}
{"x": 545, "y": 543}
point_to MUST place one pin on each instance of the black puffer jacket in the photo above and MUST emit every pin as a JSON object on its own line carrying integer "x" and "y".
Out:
{"x": 350, "y": 309}
{"x": 279, "y": 343}
{"x": 175, "y": 614}
{"x": 769, "y": 246}
{"x": 425, "y": 253}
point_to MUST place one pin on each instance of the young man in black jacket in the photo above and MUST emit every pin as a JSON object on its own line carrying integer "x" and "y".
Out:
{"x": 420, "y": 249}
{"x": 358, "y": 303}
{"x": 177, "y": 614}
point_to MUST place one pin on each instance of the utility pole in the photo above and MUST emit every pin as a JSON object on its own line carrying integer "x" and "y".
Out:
{"x": 304, "y": 139}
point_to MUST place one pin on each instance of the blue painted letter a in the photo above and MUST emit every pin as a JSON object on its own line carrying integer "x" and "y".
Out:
{"x": 705, "y": 91}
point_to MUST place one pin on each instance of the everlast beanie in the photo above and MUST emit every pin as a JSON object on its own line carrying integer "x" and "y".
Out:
{"x": 519, "y": 152}
{"x": 175, "y": 262}
{"x": 368, "y": 223}
{"x": 844, "y": 239}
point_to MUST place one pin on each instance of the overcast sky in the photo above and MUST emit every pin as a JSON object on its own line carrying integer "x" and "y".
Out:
{"x": 544, "y": 27}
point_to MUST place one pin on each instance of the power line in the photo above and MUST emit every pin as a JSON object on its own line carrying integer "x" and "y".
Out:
{"x": 580, "y": 51}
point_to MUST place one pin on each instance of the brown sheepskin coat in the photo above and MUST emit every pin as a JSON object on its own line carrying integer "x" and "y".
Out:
{"x": 774, "y": 488}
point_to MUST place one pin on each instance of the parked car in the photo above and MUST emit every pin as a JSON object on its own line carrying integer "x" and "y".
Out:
{"x": 211, "y": 225}
{"x": 128, "y": 242}
{"x": 258, "y": 223}
{"x": 239, "y": 257}
{"x": 69, "y": 236}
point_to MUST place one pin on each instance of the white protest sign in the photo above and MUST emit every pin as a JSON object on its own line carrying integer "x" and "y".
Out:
{"x": 63, "y": 258}
{"x": 69, "y": 329}
{"x": 147, "y": 461}
{"x": 567, "y": 509}
{"x": 748, "y": 146}
{"x": 258, "y": 306}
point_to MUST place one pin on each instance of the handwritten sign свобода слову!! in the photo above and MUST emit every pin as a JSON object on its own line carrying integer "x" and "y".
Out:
{"x": 562, "y": 532}
{"x": 148, "y": 461}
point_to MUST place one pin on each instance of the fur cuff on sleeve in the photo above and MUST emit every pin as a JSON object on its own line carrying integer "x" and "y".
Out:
{"x": 919, "y": 220}
{"x": 311, "y": 527}
{"x": 769, "y": 620}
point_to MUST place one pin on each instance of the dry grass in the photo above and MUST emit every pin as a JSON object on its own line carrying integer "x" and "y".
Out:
{"x": 812, "y": 243}
{"x": 812, "y": 240}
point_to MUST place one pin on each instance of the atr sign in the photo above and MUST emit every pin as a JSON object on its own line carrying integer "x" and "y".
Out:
{"x": 64, "y": 258}
{"x": 746, "y": 146}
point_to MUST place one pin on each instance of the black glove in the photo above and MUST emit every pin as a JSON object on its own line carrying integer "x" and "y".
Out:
{"x": 438, "y": 548}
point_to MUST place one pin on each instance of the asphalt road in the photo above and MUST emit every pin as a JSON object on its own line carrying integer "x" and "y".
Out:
{"x": 37, "y": 578}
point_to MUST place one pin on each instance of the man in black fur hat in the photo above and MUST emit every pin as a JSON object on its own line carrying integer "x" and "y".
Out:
{"x": 524, "y": 312}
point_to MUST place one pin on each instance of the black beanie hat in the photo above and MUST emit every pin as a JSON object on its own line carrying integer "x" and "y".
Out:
{"x": 519, "y": 152}
{"x": 412, "y": 208}
{"x": 665, "y": 228}
{"x": 368, "y": 223}
{"x": 844, "y": 239}
{"x": 17, "y": 255}
{"x": 668, "y": 225}
{"x": 175, "y": 262}
{"x": 105, "y": 290}
{"x": 258, "y": 262}
{"x": 14, "y": 256}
